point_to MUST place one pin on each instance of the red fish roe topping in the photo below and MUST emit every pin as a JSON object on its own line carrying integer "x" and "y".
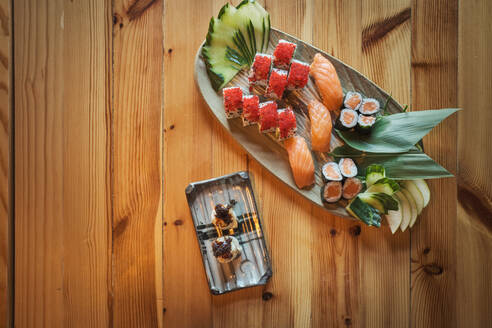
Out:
{"x": 260, "y": 68}
{"x": 286, "y": 123}
{"x": 283, "y": 54}
{"x": 251, "y": 110}
{"x": 298, "y": 75}
{"x": 277, "y": 83}
{"x": 233, "y": 99}
{"x": 268, "y": 116}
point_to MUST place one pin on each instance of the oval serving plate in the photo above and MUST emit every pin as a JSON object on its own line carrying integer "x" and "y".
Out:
{"x": 266, "y": 150}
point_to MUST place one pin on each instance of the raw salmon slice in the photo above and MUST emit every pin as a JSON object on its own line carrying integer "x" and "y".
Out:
{"x": 320, "y": 126}
{"x": 326, "y": 79}
{"x": 300, "y": 160}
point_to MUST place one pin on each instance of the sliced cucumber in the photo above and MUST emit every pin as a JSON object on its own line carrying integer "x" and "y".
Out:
{"x": 413, "y": 208}
{"x": 406, "y": 212}
{"x": 364, "y": 212}
{"x": 233, "y": 39}
{"x": 374, "y": 173}
{"x": 385, "y": 185}
{"x": 380, "y": 201}
{"x": 416, "y": 194}
{"x": 424, "y": 190}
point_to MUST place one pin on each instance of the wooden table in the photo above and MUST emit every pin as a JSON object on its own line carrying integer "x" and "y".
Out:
{"x": 107, "y": 128}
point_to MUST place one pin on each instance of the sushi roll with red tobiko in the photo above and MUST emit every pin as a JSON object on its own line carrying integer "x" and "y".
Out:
{"x": 298, "y": 75}
{"x": 260, "y": 69}
{"x": 276, "y": 84}
{"x": 332, "y": 192}
{"x": 251, "y": 110}
{"x": 233, "y": 101}
{"x": 287, "y": 125}
{"x": 268, "y": 117}
{"x": 283, "y": 53}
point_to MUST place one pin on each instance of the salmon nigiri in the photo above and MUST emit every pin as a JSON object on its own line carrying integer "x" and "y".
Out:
{"x": 301, "y": 161}
{"x": 320, "y": 126}
{"x": 327, "y": 81}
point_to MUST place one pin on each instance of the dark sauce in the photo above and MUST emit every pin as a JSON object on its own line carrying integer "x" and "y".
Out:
{"x": 222, "y": 248}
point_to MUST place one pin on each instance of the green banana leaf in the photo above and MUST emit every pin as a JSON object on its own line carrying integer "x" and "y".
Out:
{"x": 396, "y": 133}
{"x": 411, "y": 165}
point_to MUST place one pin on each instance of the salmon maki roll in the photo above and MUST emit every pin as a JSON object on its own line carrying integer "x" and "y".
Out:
{"x": 283, "y": 53}
{"x": 351, "y": 187}
{"x": 321, "y": 126}
{"x": 347, "y": 119}
{"x": 348, "y": 167}
{"x": 331, "y": 172}
{"x": 332, "y": 192}
{"x": 369, "y": 106}
{"x": 287, "y": 125}
{"x": 301, "y": 161}
{"x": 276, "y": 84}
{"x": 326, "y": 79}
{"x": 352, "y": 100}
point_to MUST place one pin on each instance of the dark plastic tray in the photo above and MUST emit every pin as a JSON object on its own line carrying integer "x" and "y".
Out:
{"x": 253, "y": 267}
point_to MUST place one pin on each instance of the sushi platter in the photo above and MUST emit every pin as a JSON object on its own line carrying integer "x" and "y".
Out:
{"x": 314, "y": 122}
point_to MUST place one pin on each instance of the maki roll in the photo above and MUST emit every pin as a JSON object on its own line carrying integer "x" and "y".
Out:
{"x": 332, "y": 192}
{"x": 331, "y": 172}
{"x": 226, "y": 249}
{"x": 365, "y": 123}
{"x": 268, "y": 121}
{"x": 260, "y": 69}
{"x": 276, "y": 84}
{"x": 298, "y": 75}
{"x": 348, "y": 119}
{"x": 287, "y": 125}
{"x": 283, "y": 53}
{"x": 233, "y": 101}
{"x": 223, "y": 217}
{"x": 347, "y": 167}
{"x": 369, "y": 106}
{"x": 251, "y": 110}
{"x": 352, "y": 100}
{"x": 351, "y": 187}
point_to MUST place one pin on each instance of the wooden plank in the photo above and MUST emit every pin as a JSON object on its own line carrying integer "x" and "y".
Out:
{"x": 61, "y": 164}
{"x": 6, "y": 292}
{"x": 187, "y": 158}
{"x": 383, "y": 257}
{"x": 433, "y": 238}
{"x": 474, "y": 240}
{"x": 136, "y": 141}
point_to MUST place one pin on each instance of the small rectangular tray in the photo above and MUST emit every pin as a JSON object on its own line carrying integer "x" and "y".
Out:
{"x": 253, "y": 267}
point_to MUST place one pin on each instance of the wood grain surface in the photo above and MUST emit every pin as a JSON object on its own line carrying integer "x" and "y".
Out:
{"x": 109, "y": 128}
{"x": 5, "y": 166}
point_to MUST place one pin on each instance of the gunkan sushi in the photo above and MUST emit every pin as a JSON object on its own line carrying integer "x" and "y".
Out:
{"x": 331, "y": 172}
{"x": 233, "y": 101}
{"x": 353, "y": 100}
{"x": 268, "y": 120}
{"x": 226, "y": 249}
{"x": 298, "y": 75}
{"x": 287, "y": 125}
{"x": 332, "y": 191}
{"x": 283, "y": 53}
{"x": 369, "y": 106}
{"x": 365, "y": 123}
{"x": 223, "y": 217}
{"x": 260, "y": 69}
{"x": 251, "y": 110}
{"x": 347, "y": 167}
{"x": 276, "y": 84}
{"x": 347, "y": 119}
{"x": 351, "y": 187}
